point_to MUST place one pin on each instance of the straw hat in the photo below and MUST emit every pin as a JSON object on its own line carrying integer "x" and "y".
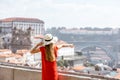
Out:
{"x": 48, "y": 39}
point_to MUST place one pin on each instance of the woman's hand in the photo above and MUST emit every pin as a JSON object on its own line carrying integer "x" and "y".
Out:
{"x": 71, "y": 45}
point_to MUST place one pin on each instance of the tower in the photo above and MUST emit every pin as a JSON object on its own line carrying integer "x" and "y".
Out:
{"x": 20, "y": 39}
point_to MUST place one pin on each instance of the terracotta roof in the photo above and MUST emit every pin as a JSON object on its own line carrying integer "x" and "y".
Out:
{"x": 118, "y": 75}
{"x": 3, "y": 50}
{"x": 79, "y": 67}
{"x": 5, "y": 55}
{"x": 10, "y": 55}
{"x": 14, "y": 61}
{"x": 22, "y": 52}
{"x": 21, "y": 19}
{"x": 39, "y": 36}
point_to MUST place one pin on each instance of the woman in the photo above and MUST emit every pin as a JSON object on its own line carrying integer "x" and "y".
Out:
{"x": 48, "y": 50}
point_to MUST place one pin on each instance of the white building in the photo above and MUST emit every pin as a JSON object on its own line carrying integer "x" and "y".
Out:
{"x": 90, "y": 32}
{"x": 7, "y": 24}
{"x": 66, "y": 51}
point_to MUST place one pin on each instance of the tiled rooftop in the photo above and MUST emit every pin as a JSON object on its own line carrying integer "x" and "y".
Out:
{"x": 22, "y": 52}
{"x": 39, "y": 36}
{"x": 79, "y": 67}
{"x": 118, "y": 75}
{"x": 16, "y": 59}
{"x": 4, "y": 50}
{"x": 9, "y": 55}
{"x": 21, "y": 19}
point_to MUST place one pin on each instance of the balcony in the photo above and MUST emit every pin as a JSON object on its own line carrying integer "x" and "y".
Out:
{"x": 15, "y": 72}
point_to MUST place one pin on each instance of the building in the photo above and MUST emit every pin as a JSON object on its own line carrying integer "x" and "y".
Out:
{"x": 1, "y": 43}
{"x": 20, "y": 39}
{"x": 7, "y": 24}
{"x": 90, "y": 31}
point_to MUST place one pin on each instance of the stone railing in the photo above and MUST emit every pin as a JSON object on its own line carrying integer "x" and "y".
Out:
{"x": 10, "y": 72}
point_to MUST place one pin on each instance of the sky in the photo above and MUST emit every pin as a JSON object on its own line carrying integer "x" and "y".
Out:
{"x": 65, "y": 13}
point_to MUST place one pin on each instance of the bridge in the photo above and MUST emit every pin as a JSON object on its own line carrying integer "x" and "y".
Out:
{"x": 111, "y": 48}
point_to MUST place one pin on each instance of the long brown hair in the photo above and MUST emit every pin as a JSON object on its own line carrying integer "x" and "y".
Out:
{"x": 49, "y": 50}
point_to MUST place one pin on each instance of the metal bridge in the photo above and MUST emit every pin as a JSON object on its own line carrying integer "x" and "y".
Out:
{"x": 111, "y": 48}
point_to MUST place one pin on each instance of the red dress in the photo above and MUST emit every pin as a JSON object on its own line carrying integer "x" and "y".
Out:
{"x": 49, "y": 69}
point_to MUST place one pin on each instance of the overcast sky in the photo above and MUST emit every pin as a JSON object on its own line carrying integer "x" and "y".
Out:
{"x": 68, "y": 13}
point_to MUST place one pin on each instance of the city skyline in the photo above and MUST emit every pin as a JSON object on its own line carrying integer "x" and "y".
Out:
{"x": 66, "y": 13}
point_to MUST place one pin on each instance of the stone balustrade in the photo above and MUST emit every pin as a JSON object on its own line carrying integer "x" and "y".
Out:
{"x": 26, "y": 73}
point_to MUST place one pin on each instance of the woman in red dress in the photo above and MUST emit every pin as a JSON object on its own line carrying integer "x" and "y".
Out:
{"x": 48, "y": 50}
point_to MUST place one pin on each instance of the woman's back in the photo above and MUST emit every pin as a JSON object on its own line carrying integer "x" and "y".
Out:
{"x": 49, "y": 68}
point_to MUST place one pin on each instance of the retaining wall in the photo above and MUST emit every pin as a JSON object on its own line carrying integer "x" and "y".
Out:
{"x": 27, "y": 73}
{"x": 13, "y": 73}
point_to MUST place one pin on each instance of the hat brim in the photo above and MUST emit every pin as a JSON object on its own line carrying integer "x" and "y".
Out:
{"x": 54, "y": 40}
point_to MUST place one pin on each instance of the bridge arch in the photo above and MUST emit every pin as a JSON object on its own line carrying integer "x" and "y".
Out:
{"x": 107, "y": 50}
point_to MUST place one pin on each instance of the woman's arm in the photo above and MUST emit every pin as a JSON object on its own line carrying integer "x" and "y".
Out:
{"x": 36, "y": 48}
{"x": 65, "y": 45}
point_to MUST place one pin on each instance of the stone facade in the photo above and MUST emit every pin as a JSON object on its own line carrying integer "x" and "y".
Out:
{"x": 20, "y": 39}
{"x": 7, "y": 24}
{"x": 1, "y": 43}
